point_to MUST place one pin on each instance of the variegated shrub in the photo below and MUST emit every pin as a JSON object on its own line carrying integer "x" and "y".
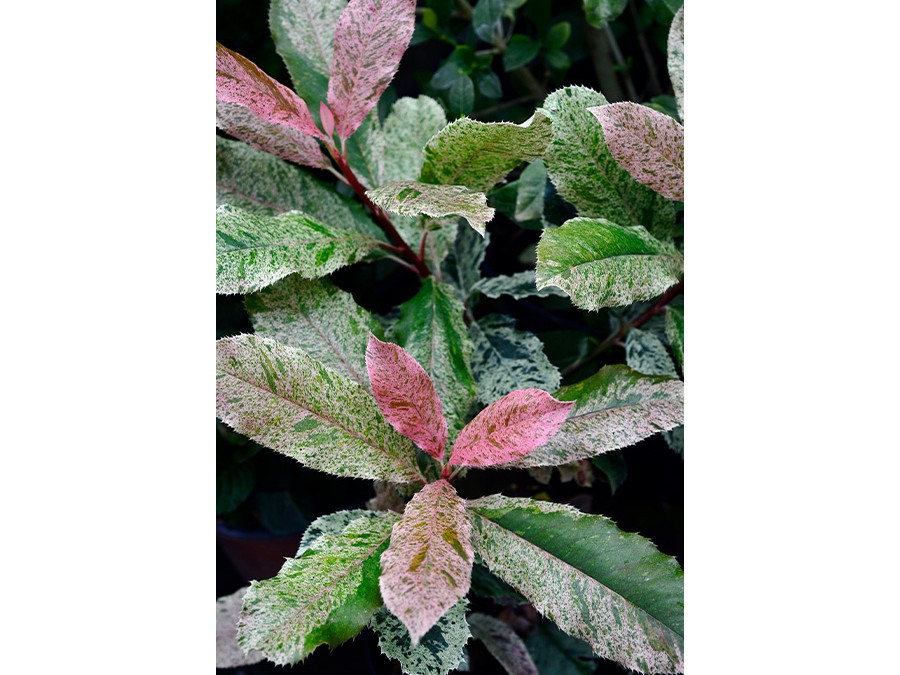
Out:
{"x": 430, "y": 393}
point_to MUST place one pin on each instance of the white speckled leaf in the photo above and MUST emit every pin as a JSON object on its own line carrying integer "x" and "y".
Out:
{"x": 505, "y": 359}
{"x": 316, "y": 316}
{"x": 228, "y": 653}
{"x": 406, "y": 130}
{"x": 428, "y": 566}
{"x": 503, "y": 644}
{"x": 284, "y": 399}
{"x": 333, "y": 524}
{"x": 303, "y": 32}
{"x": 462, "y": 268}
{"x": 613, "y": 589}
{"x": 614, "y": 408}
{"x": 586, "y": 174}
{"x": 675, "y": 332}
{"x": 479, "y": 154}
{"x": 410, "y": 198}
{"x": 646, "y": 353}
{"x": 406, "y": 396}
{"x": 530, "y": 192}
{"x": 601, "y": 264}
{"x": 324, "y": 596}
{"x": 432, "y": 330}
{"x": 369, "y": 40}
{"x": 258, "y": 182}
{"x": 647, "y": 143}
{"x": 439, "y": 651}
{"x": 254, "y": 251}
{"x": 676, "y": 59}
{"x": 519, "y": 285}
{"x": 364, "y": 152}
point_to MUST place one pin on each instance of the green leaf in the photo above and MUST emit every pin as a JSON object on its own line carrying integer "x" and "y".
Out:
{"x": 675, "y": 332}
{"x": 646, "y": 353}
{"x": 600, "y": 12}
{"x": 254, "y": 251}
{"x": 233, "y": 485}
{"x": 556, "y": 653}
{"x": 480, "y": 154}
{"x": 614, "y": 408}
{"x": 676, "y": 59}
{"x": 431, "y": 328}
{"x": 324, "y": 596}
{"x": 558, "y": 59}
{"x": 411, "y": 198}
{"x": 530, "y": 194}
{"x": 503, "y": 644}
{"x": 439, "y": 651}
{"x": 587, "y": 175}
{"x": 262, "y": 184}
{"x": 519, "y": 285}
{"x": 406, "y": 130}
{"x": 228, "y": 653}
{"x": 613, "y": 589}
{"x": 558, "y": 35}
{"x": 316, "y": 316}
{"x": 486, "y": 18}
{"x": 463, "y": 266}
{"x": 520, "y": 50}
{"x": 601, "y": 264}
{"x": 303, "y": 32}
{"x": 461, "y": 96}
{"x": 489, "y": 84}
{"x": 506, "y": 359}
{"x": 284, "y": 399}
{"x": 613, "y": 465}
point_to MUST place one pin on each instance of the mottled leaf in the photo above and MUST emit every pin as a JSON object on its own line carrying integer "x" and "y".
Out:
{"x": 556, "y": 653}
{"x": 332, "y": 524}
{"x": 600, "y": 12}
{"x": 406, "y": 396}
{"x": 369, "y": 40}
{"x": 519, "y": 285}
{"x": 613, "y": 589}
{"x": 254, "y": 251}
{"x": 303, "y": 32}
{"x": 364, "y": 152}
{"x": 601, "y": 264}
{"x": 675, "y": 439}
{"x": 503, "y": 644}
{"x": 530, "y": 193}
{"x": 463, "y": 266}
{"x": 587, "y": 175}
{"x": 428, "y": 566}
{"x": 284, "y": 399}
{"x": 406, "y": 130}
{"x": 479, "y": 154}
{"x": 509, "y": 428}
{"x": 316, "y": 316}
{"x": 675, "y": 332}
{"x": 265, "y": 185}
{"x": 439, "y": 651}
{"x": 505, "y": 359}
{"x": 647, "y": 143}
{"x": 676, "y": 59}
{"x": 646, "y": 353}
{"x": 410, "y": 198}
{"x": 431, "y": 329}
{"x": 614, "y": 408}
{"x": 228, "y": 653}
{"x": 325, "y": 596}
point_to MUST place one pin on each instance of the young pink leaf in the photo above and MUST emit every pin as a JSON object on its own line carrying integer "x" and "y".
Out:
{"x": 327, "y": 119}
{"x": 369, "y": 40}
{"x": 509, "y": 428}
{"x": 648, "y": 144}
{"x": 406, "y": 396}
{"x": 240, "y": 82}
{"x": 428, "y": 566}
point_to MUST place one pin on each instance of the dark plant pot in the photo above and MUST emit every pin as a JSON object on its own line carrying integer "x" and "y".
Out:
{"x": 256, "y": 555}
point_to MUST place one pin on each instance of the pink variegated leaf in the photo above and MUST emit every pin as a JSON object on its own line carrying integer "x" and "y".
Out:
{"x": 648, "y": 144}
{"x": 427, "y": 568}
{"x": 369, "y": 40}
{"x": 509, "y": 428}
{"x": 406, "y": 396}
{"x": 241, "y": 83}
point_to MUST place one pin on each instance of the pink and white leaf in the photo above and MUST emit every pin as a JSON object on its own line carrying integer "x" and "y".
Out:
{"x": 428, "y": 566}
{"x": 509, "y": 428}
{"x": 241, "y": 82}
{"x": 370, "y": 38}
{"x": 406, "y": 396}
{"x": 648, "y": 144}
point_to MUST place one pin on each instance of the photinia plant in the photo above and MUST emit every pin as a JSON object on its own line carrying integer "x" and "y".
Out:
{"x": 417, "y": 399}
